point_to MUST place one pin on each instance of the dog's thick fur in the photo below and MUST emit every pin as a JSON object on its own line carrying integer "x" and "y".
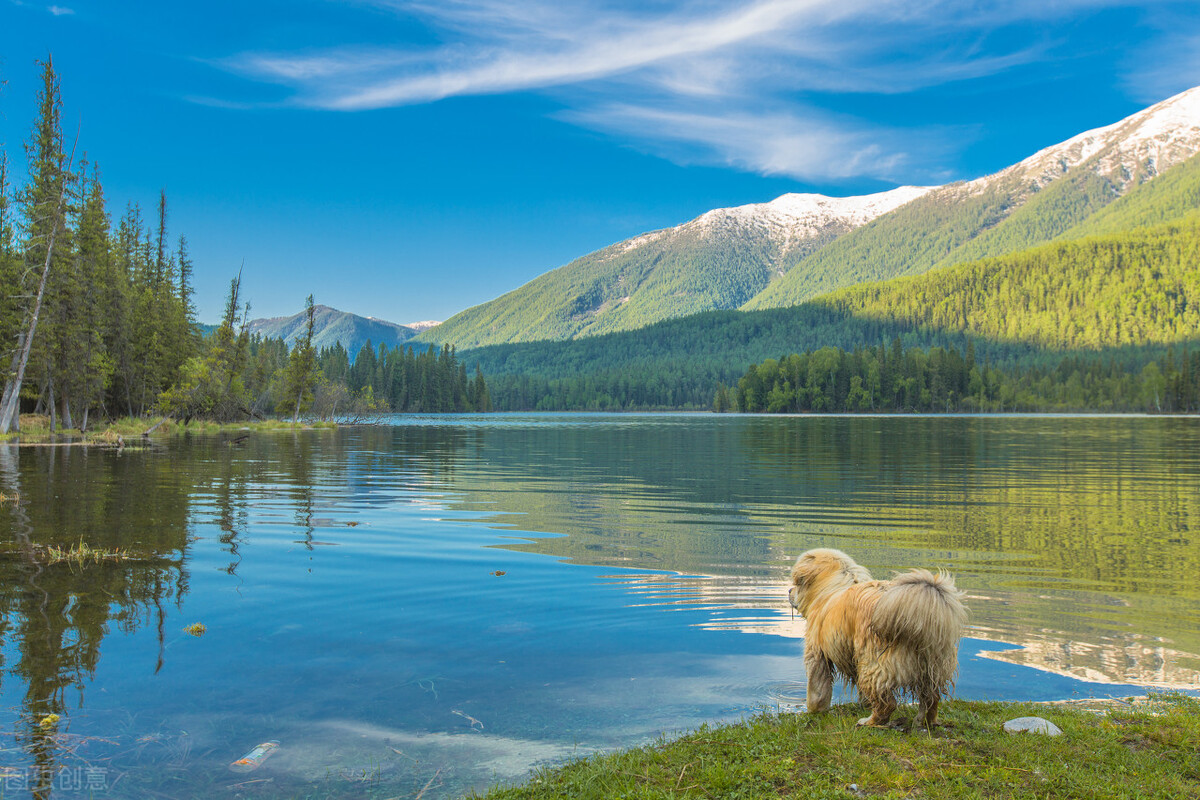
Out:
{"x": 883, "y": 636}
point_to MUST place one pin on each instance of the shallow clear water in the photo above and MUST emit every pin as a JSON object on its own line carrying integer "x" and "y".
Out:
{"x": 446, "y": 602}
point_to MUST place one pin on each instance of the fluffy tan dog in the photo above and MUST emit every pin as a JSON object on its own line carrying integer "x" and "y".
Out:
{"x": 882, "y": 636}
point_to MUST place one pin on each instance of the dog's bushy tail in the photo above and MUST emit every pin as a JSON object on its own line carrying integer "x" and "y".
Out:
{"x": 922, "y": 611}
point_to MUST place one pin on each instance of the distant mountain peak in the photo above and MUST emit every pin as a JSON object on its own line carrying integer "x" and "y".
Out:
{"x": 789, "y": 219}
{"x": 793, "y": 217}
{"x": 805, "y": 208}
{"x": 331, "y": 326}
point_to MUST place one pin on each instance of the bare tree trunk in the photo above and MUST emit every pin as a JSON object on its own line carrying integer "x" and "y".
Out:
{"x": 53, "y": 410}
{"x": 68, "y": 422}
{"x": 12, "y": 390}
{"x": 10, "y": 401}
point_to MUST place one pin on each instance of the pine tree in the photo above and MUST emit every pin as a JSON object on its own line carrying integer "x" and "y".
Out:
{"x": 300, "y": 376}
{"x": 44, "y": 206}
{"x": 88, "y": 363}
{"x": 212, "y": 386}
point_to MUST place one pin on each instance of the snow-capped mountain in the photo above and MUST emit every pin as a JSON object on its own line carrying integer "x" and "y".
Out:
{"x": 1036, "y": 200}
{"x": 791, "y": 219}
{"x": 719, "y": 260}
{"x": 1137, "y": 148}
{"x": 799, "y": 246}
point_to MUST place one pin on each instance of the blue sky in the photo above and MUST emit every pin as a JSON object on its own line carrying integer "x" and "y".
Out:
{"x": 406, "y": 160}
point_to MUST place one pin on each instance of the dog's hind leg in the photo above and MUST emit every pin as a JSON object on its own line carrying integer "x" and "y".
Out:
{"x": 882, "y": 708}
{"x": 820, "y": 681}
{"x": 927, "y": 710}
{"x": 879, "y": 697}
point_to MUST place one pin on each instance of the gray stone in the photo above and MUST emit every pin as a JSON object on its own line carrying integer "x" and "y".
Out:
{"x": 1032, "y": 725}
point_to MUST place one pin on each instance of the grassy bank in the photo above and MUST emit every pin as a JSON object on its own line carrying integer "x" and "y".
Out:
{"x": 36, "y": 428}
{"x": 1145, "y": 750}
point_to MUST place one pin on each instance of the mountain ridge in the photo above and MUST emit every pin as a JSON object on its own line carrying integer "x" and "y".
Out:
{"x": 717, "y": 260}
{"x": 330, "y": 327}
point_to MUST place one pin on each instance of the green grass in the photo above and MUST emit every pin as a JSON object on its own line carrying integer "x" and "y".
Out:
{"x": 36, "y": 428}
{"x": 1146, "y": 750}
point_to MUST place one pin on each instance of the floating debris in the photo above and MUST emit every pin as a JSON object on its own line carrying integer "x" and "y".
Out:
{"x": 468, "y": 718}
{"x": 498, "y": 573}
{"x": 254, "y": 759}
{"x": 196, "y": 629}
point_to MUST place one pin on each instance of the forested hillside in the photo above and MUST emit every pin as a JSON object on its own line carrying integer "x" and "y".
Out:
{"x": 1171, "y": 196}
{"x": 1119, "y": 300}
{"x": 1137, "y": 288}
{"x": 622, "y": 287}
{"x": 716, "y": 261}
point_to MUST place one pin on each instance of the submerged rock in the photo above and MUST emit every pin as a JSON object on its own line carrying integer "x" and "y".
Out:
{"x": 1032, "y": 725}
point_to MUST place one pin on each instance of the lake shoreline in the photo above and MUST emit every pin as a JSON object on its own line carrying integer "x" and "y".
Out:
{"x": 1154, "y": 740}
{"x": 126, "y": 431}
{"x": 35, "y": 428}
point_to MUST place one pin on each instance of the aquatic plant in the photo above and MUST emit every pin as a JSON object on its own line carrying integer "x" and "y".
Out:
{"x": 80, "y": 553}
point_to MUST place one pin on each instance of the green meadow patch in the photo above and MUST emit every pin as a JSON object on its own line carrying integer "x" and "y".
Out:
{"x": 1145, "y": 750}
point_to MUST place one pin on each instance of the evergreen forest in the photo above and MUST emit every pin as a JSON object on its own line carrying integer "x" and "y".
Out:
{"x": 97, "y": 317}
{"x": 899, "y": 379}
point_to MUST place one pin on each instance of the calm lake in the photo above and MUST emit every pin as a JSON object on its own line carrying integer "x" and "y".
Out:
{"x": 444, "y": 603}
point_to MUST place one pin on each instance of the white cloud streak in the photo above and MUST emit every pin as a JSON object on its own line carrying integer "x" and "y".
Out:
{"x": 805, "y": 143}
{"x": 711, "y": 80}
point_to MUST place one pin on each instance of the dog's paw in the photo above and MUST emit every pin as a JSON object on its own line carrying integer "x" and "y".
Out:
{"x": 866, "y": 722}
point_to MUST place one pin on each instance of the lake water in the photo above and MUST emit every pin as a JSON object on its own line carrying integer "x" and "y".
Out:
{"x": 447, "y": 602}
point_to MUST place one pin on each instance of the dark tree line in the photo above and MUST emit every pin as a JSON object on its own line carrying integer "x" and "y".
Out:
{"x": 898, "y": 379}
{"x": 402, "y": 380}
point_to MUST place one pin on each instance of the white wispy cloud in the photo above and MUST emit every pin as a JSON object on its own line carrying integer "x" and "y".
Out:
{"x": 729, "y": 83}
{"x": 772, "y": 144}
{"x": 60, "y": 11}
